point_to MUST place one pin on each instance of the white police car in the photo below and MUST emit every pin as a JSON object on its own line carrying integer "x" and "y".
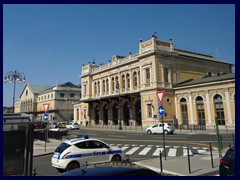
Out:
{"x": 79, "y": 152}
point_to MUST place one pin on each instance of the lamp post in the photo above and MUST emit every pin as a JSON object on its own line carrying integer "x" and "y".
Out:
{"x": 119, "y": 122}
{"x": 13, "y": 76}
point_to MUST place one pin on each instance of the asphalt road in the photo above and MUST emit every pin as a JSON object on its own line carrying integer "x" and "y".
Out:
{"x": 138, "y": 146}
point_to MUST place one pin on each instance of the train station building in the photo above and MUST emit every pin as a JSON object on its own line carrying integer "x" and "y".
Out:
{"x": 122, "y": 93}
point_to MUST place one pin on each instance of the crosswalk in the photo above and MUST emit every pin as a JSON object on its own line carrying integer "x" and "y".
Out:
{"x": 154, "y": 150}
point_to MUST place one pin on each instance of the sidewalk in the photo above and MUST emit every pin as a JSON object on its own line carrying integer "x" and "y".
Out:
{"x": 178, "y": 166}
{"x": 200, "y": 165}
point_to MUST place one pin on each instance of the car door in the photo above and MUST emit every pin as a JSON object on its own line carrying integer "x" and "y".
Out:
{"x": 155, "y": 128}
{"x": 84, "y": 153}
{"x": 160, "y": 128}
{"x": 100, "y": 151}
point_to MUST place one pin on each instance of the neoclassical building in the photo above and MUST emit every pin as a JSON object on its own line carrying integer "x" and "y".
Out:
{"x": 60, "y": 99}
{"x": 122, "y": 92}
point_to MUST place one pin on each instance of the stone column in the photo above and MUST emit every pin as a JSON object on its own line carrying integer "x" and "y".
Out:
{"x": 229, "y": 112}
{"x": 208, "y": 109}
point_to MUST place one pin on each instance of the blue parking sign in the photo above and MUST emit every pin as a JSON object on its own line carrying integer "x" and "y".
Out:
{"x": 45, "y": 117}
{"x": 161, "y": 110}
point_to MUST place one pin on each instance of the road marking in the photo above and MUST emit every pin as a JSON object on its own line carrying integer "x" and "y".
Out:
{"x": 201, "y": 151}
{"x": 144, "y": 151}
{"x": 185, "y": 152}
{"x": 172, "y": 152}
{"x": 124, "y": 147}
{"x": 132, "y": 150}
{"x": 195, "y": 147}
{"x": 157, "y": 152}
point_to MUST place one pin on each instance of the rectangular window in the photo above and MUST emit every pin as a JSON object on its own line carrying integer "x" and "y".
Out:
{"x": 71, "y": 95}
{"x": 147, "y": 75}
{"x": 165, "y": 71}
{"x": 149, "y": 110}
{"x": 184, "y": 114}
{"x": 61, "y": 95}
{"x": 84, "y": 113}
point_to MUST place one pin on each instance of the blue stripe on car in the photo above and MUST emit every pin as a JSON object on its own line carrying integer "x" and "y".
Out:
{"x": 91, "y": 154}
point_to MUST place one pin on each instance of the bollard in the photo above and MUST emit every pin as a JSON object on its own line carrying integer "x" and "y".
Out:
{"x": 160, "y": 154}
{"x": 189, "y": 165}
{"x": 211, "y": 155}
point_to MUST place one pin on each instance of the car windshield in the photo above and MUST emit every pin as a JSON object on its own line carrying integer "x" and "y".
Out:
{"x": 62, "y": 147}
{"x": 75, "y": 124}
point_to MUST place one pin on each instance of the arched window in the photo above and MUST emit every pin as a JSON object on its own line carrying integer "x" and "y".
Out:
{"x": 103, "y": 86}
{"x": 183, "y": 104}
{"x": 128, "y": 81}
{"x": 134, "y": 79}
{"x": 200, "y": 111}
{"x": 219, "y": 109}
{"x": 95, "y": 88}
{"x": 113, "y": 85}
{"x": 107, "y": 86}
{"x": 123, "y": 82}
{"x": 98, "y": 87}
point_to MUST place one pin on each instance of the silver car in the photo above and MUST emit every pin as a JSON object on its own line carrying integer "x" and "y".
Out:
{"x": 158, "y": 128}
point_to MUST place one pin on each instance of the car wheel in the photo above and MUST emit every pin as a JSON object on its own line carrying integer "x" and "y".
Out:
{"x": 72, "y": 165}
{"x": 116, "y": 158}
{"x": 149, "y": 132}
{"x": 165, "y": 132}
{"x": 61, "y": 170}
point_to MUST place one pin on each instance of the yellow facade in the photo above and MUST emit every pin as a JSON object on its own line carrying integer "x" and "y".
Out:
{"x": 122, "y": 92}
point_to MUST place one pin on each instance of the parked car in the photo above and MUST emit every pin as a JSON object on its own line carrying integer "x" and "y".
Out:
{"x": 157, "y": 128}
{"x": 79, "y": 152}
{"x": 227, "y": 163}
{"x": 113, "y": 169}
{"x": 72, "y": 125}
{"x": 59, "y": 127}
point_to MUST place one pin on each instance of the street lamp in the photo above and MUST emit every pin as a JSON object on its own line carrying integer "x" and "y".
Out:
{"x": 119, "y": 122}
{"x": 14, "y": 76}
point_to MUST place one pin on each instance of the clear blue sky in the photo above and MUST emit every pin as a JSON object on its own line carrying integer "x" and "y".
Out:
{"x": 49, "y": 43}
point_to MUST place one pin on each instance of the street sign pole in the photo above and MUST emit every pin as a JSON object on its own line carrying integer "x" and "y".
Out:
{"x": 45, "y": 117}
{"x": 218, "y": 138}
{"x": 164, "y": 140}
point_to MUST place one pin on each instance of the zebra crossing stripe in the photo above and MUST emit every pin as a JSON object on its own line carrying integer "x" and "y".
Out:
{"x": 132, "y": 150}
{"x": 157, "y": 152}
{"x": 185, "y": 152}
{"x": 172, "y": 152}
{"x": 124, "y": 147}
{"x": 144, "y": 151}
{"x": 195, "y": 147}
{"x": 200, "y": 151}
